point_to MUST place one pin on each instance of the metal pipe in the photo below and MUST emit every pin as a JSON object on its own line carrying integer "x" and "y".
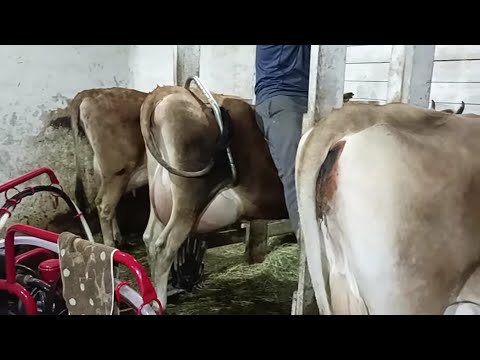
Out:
{"x": 218, "y": 116}
{"x": 29, "y": 176}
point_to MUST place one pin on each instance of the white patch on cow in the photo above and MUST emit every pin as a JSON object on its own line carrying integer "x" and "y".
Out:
{"x": 72, "y": 301}
{"x": 467, "y": 309}
{"x": 103, "y": 256}
{"x": 82, "y": 287}
{"x": 62, "y": 252}
{"x": 90, "y": 301}
{"x": 86, "y": 275}
{"x": 367, "y": 223}
{"x": 66, "y": 272}
{"x": 357, "y": 242}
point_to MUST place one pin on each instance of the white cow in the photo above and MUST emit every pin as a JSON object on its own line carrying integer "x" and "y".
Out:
{"x": 389, "y": 202}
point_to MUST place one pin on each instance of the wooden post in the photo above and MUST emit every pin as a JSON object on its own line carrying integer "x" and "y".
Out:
{"x": 187, "y": 63}
{"x": 327, "y": 77}
{"x": 256, "y": 237}
{"x": 410, "y": 75}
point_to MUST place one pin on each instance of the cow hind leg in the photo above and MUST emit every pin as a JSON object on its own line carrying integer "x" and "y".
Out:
{"x": 189, "y": 198}
{"x": 154, "y": 226}
{"x": 117, "y": 234}
{"x": 110, "y": 194}
{"x": 165, "y": 248}
{"x": 152, "y": 231}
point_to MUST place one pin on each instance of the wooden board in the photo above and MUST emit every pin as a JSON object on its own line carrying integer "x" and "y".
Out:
{"x": 280, "y": 227}
{"x": 368, "y": 54}
{"x": 373, "y": 90}
{"x": 456, "y": 71}
{"x": 457, "y": 52}
{"x": 370, "y": 101}
{"x": 456, "y": 92}
{"x": 367, "y": 72}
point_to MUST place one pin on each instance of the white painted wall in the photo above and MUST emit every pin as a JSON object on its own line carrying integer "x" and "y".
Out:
{"x": 456, "y": 77}
{"x": 151, "y": 65}
{"x": 228, "y": 69}
{"x": 37, "y": 79}
{"x": 366, "y": 72}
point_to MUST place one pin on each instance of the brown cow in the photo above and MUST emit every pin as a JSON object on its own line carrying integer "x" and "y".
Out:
{"x": 196, "y": 195}
{"x": 389, "y": 203}
{"x": 110, "y": 119}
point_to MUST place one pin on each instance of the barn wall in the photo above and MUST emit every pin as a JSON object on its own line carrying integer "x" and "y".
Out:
{"x": 456, "y": 77}
{"x": 151, "y": 65}
{"x": 231, "y": 69}
{"x": 37, "y": 83}
{"x": 366, "y": 72}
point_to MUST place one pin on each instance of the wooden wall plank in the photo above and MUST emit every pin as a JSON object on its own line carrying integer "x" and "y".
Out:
{"x": 456, "y": 92}
{"x": 370, "y": 101}
{"x": 367, "y": 72}
{"x": 368, "y": 53}
{"x": 367, "y": 89}
{"x": 457, "y": 52}
{"x": 456, "y": 71}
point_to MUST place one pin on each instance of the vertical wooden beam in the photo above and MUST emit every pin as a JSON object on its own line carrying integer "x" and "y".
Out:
{"x": 256, "y": 241}
{"x": 187, "y": 63}
{"x": 410, "y": 75}
{"x": 327, "y": 77}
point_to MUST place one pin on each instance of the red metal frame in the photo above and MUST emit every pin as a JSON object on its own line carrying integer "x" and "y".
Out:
{"x": 146, "y": 288}
{"x": 29, "y": 176}
{"x": 34, "y": 254}
{"x": 22, "y": 294}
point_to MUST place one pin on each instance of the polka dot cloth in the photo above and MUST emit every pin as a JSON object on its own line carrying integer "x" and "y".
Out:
{"x": 87, "y": 275}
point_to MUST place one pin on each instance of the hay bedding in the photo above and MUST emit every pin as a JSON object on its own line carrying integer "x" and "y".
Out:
{"x": 232, "y": 287}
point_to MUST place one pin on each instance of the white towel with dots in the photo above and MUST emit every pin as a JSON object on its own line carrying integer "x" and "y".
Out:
{"x": 87, "y": 275}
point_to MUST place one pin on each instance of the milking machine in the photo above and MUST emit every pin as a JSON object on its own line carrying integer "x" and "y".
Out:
{"x": 30, "y": 280}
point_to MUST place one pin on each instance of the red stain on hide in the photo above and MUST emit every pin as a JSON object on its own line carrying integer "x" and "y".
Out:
{"x": 327, "y": 179}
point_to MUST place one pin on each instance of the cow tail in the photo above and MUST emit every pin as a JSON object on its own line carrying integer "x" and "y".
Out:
{"x": 80, "y": 194}
{"x": 306, "y": 173}
{"x": 146, "y": 112}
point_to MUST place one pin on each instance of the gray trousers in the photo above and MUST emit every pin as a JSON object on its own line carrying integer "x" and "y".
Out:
{"x": 280, "y": 120}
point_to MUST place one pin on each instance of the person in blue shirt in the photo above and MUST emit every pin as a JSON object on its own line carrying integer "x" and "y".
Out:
{"x": 281, "y": 92}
